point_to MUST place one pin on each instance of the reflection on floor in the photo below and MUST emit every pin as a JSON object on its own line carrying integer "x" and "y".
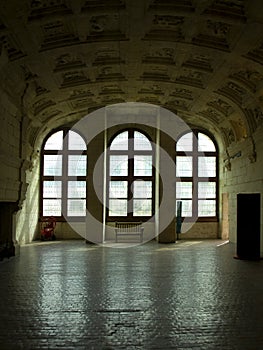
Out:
{"x": 188, "y": 295}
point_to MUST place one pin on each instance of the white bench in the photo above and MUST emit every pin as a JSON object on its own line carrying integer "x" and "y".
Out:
{"x": 124, "y": 229}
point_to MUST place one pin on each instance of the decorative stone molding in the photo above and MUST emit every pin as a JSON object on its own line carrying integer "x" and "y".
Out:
{"x": 173, "y": 6}
{"x": 162, "y": 56}
{"x": 199, "y": 62}
{"x": 191, "y": 78}
{"x": 232, "y": 9}
{"x": 166, "y": 26}
{"x": 57, "y": 34}
{"x": 248, "y": 78}
{"x": 68, "y": 61}
{"x": 183, "y": 93}
{"x": 157, "y": 73}
{"x": 8, "y": 42}
{"x": 256, "y": 54}
{"x": 101, "y": 5}
{"x": 105, "y": 28}
{"x": 73, "y": 78}
{"x": 222, "y": 106}
{"x": 214, "y": 35}
{"x": 41, "y": 105}
{"x": 212, "y": 115}
{"x": 233, "y": 91}
{"x": 48, "y": 8}
{"x": 107, "y": 56}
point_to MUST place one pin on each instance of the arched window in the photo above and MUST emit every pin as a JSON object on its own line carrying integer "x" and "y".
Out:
{"x": 196, "y": 176}
{"x": 64, "y": 175}
{"x": 131, "y": 176}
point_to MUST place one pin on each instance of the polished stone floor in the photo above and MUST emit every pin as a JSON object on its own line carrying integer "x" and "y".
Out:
{"x": 188, "y": 295}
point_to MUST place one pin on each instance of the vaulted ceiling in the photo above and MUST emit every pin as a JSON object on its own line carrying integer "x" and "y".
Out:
{"x": 203, "y": 59}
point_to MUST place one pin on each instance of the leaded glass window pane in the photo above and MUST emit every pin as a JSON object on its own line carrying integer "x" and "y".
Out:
{"x": 52, "y": 165}
{"x": 76, "y": 142}
{"x": 117, "y": 207}
{"x": 76, "y": 189}
{"x": 206, "y": 207}
{"x": 142, "y": 165}
{"x": 51, "y": 207}
{"x": 184, "y": 189}
{"x": 207, "y": 190}
{"x": 120, "y": 142}
{"x": 185, "y": 143}
{"x": 206, "y": 166}
{"x": 142, "y": 189}
{"x": 142, "y": 207}
{"x": 76, "y": 207}
{"x": 77, "y": 165}
{"x": 141, "y": 143}
{"x": 184, "y": 166}
{"x": 205, "y": 144}
{"x": 52, "y": 189}
{"x": 118, "y": 189}
{"x": 54, "y": 142}
{"x": 118, "y": 165}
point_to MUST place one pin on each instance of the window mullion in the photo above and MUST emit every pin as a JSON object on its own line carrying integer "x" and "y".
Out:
{"x": 65, "y": 174}
{"x": 130, "y": 172}
{"x": 195, "y": 174}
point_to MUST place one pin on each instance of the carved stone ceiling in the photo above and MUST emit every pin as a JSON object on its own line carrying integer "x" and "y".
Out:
{"x": 200, "y": 58}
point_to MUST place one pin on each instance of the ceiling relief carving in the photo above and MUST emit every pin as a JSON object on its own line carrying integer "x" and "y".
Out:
{"x": 156, "y": 73}
{"x": 8, "y": 42}
{"x": 191, "y": 78}
{"x": 199, "y": 62}
{"x": 49, "y": 114}
{"x": 254, "y": 117}
{"x": 179, "y": 104}
{"x": 182, "y": 93}
{"x": 101, "y": 5}
{"x": 110, "y": 73}
{"x": 214, "y": 35}
{"x": 167, "y": 28}
{"x": 41, "y": 105}
{"x": 162, "y": 56}
{"x": 68, "y": 61}
{"x": 151, "y": 90}
{"x": 107, "y": 56}
{"x": 201, "y": 59}
{"x": 111, "y": 100}
{"x": 231, "y": 9}
{"x": 171, "y": 5}
{"x": 105, "y": 28}
{"x": 73, "y": 78}
{"x": 80, "y": 93}
{"x": 211, "y": 114}
{"x": 233, "y": 91}
{"x": 113, "y": 89}
{"x": 82, "y": 103}
{"x": 248, "y": 78}
{"x": 57, "y": 34}
{"x": 221, "y": 106}
{"x": 256, "y": 54}
{"x": 40, "y": 90}
{"x": 149, "y": 99}
{"x": 47, "y": 8}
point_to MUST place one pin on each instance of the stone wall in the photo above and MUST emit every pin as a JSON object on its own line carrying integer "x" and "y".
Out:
{"x": 245, "y": 175}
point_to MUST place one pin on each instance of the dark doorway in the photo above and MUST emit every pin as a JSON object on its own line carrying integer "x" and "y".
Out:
{"x": 248, "y": 226}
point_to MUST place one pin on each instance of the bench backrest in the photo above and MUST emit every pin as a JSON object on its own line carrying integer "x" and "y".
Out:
{"x": 128, "y": 226}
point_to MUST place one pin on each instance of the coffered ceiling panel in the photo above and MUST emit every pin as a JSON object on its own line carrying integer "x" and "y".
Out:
{"x": 201, "y": 59}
